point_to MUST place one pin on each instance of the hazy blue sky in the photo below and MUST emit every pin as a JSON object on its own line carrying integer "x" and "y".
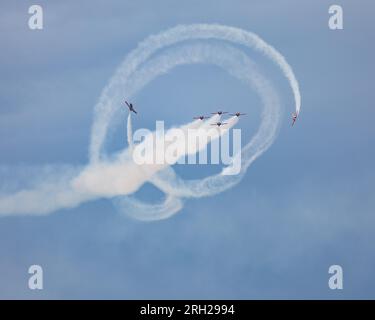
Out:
{"x": 306, "y": 204}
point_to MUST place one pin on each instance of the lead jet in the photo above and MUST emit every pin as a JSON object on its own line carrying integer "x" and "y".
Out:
{"x": 238, "y": 114}
{"x": 219, "y": 112}
{"x": 131, "y": 108}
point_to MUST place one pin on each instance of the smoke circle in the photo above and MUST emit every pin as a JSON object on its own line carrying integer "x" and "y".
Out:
{"x": 141, "y": 66}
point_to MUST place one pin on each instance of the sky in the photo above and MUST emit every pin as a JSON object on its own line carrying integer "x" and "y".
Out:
{"x": 304, "y": 205}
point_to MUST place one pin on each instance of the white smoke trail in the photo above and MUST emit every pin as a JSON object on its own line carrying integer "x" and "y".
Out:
{"x": 129, "y": 129}
{"x": 38, "y": 190}
{"x": 60, "y": 187}
{"x": 116, "y": 176}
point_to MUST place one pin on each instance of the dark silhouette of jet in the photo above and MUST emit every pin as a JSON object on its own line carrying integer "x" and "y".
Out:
{"x": 131, "y": 108}
{"x": 200, "y": 117}
{"x": 294, "y": 118}
{"x": 237, "y": 114}
{"x": 218, "y": 124}
{"x": 219, "y": 112}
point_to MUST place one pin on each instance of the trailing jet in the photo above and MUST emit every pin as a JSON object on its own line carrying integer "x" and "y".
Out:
{"x": 200, "y": 117}
{"x": 131, "y": 108}
{"x": 218, "y": 124}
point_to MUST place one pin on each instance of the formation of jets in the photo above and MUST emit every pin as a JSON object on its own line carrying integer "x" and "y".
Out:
{"x": 202, "y": 117}
{"x": 219, "y": 124}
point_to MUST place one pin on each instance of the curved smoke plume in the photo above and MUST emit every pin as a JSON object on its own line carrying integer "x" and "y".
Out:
{"x": 117, "y": 176}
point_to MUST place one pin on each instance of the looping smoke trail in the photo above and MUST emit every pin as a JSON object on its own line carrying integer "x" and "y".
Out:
{"x": 123, "y": 77}
{"x": 117, "y": 176}
{"x": 241, "y": 67}
{"x": 238, "y": 65}
{"x": 148, "y": 212}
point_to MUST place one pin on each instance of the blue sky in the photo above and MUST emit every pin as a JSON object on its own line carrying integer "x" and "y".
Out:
{"x": 306, "y": 204}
